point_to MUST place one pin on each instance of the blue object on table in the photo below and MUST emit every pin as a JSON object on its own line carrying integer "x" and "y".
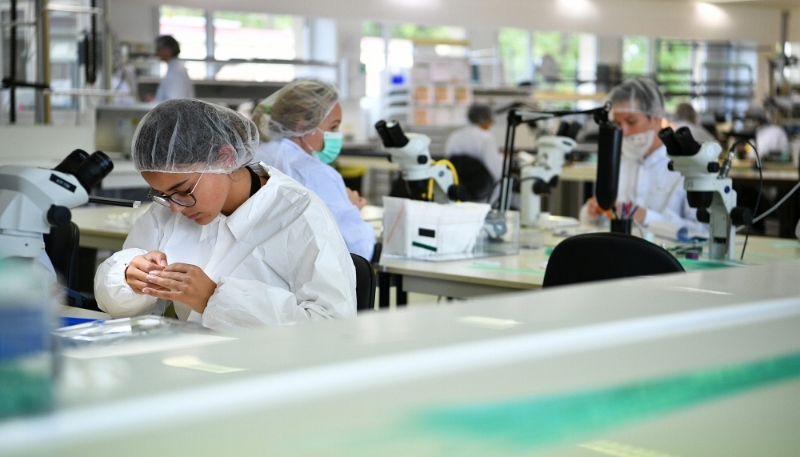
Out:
{"x": 70, "y": 321}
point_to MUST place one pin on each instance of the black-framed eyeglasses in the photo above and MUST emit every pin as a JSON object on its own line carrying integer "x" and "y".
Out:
{"x": 185, "y": 199}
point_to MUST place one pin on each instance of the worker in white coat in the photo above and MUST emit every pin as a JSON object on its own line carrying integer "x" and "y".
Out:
{"x": 770, "y": 138}
{"x": 475, "y": 140}
{"x": 686, "y": 116}
{"x": 230, "y": 245}
{"x": 299, "y": 127}
{"x": 637, "y": 106}
{"x": 176, "y": 82}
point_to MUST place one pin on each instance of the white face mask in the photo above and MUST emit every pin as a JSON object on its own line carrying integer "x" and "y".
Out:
{"x": 636, "y": 146}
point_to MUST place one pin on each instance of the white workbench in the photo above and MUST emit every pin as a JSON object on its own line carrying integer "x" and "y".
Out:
{"x": 632, "y": 364}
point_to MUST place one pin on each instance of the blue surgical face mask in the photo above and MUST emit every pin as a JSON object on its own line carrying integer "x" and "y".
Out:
{"x": 331, "y": 148}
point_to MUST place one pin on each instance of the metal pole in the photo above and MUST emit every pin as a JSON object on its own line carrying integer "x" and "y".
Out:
{"x": 40, "y": 63}
{"x": 108, "y": 53}
{"x": 44, "y": 26}
{"x": 12, "y": 109}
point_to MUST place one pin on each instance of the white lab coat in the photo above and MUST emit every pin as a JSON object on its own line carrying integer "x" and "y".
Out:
{"x": 323, "y": 180}
{"x": 476, "y": 142}
{"x": 278, "y": 259}
{"x": 652, "y": 186}
{"x": 771, "y": 138}
{"x": 176, "y": 83}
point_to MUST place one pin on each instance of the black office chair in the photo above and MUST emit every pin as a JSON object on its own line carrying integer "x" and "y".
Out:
{"x": 599, "y": 256}
{"x": 365, "y": 283}
{"x": 62, "y": 245}
{"x": 473, "y": 175}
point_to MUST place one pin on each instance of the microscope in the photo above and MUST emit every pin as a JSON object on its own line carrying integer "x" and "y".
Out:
{"x": 550, "y": 159}
{"x": 32, "y": 200}
{"x": 544, "y": 171}
{"x": 425, "y": 180}
{"x": 708, "y": 188}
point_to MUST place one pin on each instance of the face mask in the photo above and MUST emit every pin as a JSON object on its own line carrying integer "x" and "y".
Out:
{"x": 332, "y": 146}
{"x": 636, "y": 146}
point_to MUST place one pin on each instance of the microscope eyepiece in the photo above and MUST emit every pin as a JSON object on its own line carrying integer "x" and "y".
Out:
{"x": 72, "y": 161}
{"x": 687, "y": 141}
{"x": 391, "y": 134}
{"x": 674, "y": 147}
{"x": 92, "y": 170}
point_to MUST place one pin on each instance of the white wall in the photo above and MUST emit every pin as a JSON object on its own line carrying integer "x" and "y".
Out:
{"x": 134, "y": 21}
{"x": 662, "y": 18}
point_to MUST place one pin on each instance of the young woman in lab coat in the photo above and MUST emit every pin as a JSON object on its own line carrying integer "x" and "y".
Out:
{"x": 637, "y": 105}
{"x": 232, "y": 245}
{"x": 299, "y": 127}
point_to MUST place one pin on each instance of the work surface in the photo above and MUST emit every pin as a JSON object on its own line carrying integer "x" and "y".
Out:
{"x": 525, "y": 271}
{"x": 107, "y": 227}
{"x": 676, "y": 365}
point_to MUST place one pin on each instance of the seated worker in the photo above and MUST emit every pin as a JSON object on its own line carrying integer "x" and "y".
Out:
{"x": 476, "y": 141}
{"x": 299, "y": 128}
{"x": 769, "y": 137}
{"x": 644, "y": 180}
{"x": 686, "y": 116}
{"x": 232, "y": 245}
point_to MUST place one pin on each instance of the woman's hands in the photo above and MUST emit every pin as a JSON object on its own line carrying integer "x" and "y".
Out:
{"x": 356, "y": 199}
{"x": 150, "y": 274}
{"x": 141, "y": 266}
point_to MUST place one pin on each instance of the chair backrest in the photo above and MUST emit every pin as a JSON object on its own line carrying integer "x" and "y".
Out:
{"x": 473, "y": 175}
{"x": 62, "y": 245}
{"x": 598, "y": 256}
{"x": 365, "y": 283}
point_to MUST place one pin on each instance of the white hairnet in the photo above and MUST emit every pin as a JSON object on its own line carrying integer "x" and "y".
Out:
{"x": 637, "y": 95}
{"x": 297, "y": 109}
{"x": 188, "y": 136}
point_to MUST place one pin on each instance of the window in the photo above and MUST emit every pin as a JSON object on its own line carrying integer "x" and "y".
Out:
{"x": 401, "y": 49}
{"x": 635, "y": 56}
{"x": 514, "y": 55}
{"x": 674, "y": 71}
{"x": 237, "y": 35}
{"x": 188, "y": 27}
{"x": 254, "y": 36}
{"x": 556, "y": 56}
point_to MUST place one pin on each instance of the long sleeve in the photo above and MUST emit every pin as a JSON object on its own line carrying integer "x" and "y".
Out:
{"x": 328, "y": 184}
{"x": 316, "y": 289}
{"x": 111, "y": 290}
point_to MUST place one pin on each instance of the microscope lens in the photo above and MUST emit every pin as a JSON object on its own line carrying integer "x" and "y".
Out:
{"x": 72, "y": 161}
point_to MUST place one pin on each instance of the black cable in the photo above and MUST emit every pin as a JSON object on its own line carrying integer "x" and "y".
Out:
{"x": 759, "y": 165}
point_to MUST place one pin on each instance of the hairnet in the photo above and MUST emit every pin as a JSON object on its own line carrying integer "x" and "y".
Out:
{"x": 478, "y": 113}
{"x": 686, "y": 112}
{"x": 188, "y": 136}
{"x": 637, "y": 95}
{"x": 297, "y": 109}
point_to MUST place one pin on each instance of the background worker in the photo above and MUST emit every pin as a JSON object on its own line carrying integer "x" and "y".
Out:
{"x": 176, "y": 83}
{"x": 637, "y": 105}
{"x": 299, "y": 128}
{"x": 686, "y": 116}
{"x": 476, "y": 141}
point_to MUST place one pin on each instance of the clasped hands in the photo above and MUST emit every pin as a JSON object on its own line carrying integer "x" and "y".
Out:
{"x": 150, "y": 274}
